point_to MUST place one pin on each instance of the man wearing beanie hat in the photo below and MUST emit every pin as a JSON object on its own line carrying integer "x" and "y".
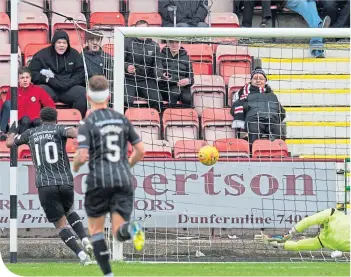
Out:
{"x": 59, "y": 69}
{"x": 257, "y": 110}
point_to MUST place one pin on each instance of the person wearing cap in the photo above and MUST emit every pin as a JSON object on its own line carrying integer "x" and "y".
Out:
{"x": 178, "y": 76}
{"x": 98, "y": 62}
{"x": 59, "y": 69}
{"x": 257, "y": 110}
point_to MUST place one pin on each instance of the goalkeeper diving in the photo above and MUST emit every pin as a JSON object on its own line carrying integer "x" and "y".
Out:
{"x": 334, "y": 233}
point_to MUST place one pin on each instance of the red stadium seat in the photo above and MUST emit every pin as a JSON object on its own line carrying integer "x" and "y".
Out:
{"x": 180, "y": 124}
{"x": 143, "y": 6}
{"x": 73, "y": 6}
{"x": 236, "y": 82}
{"x": 232, "y": 147}
{"x": 31, "y": 50}
{"x": 109, "y": 49}
{"x": 70, "y": 117}
{"x": 208, "y": 91}
{"x": 146, "y": 121}
{"x": 223, "y": 20}
{"x": 32, "y": 28}
{"x": 104, "y": 20}
{"x": 154, "y": 19}
{"x": 25, "y": 8}
{"x": 24, "y": 152}
{"x": 104, "y": 6}
{"x": 5, "y": 58}
{"x": 232, "y": 60}
{"x": 188, "y": 148}
{"x": 60, "y": 23}
{"x": 71, "y": 147}
{"x": 217, "y": 124}
{"x": 4, "y": 151}
{"x": 157, "y": 149}
{"x": 201, "y": 56}
{"x": 271, "y": 149}
{"x": 4, "y": 28}
{"x": 3, "y": 4}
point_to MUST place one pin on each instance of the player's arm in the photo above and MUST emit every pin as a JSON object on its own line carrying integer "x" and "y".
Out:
{"x": 138, "y": 146}
{"x": 15, "y": 139}
{"x": 316, "y": 219}
{"x": 82, "y": 153}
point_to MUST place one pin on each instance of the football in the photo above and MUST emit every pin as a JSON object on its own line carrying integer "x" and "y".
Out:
{"x": 208, "y": 155}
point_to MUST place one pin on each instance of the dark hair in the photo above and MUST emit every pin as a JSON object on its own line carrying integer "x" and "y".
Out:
{"x": 24, "y": 69}
{"x": 48, "y": 114}
{"x": 98, "y": 83}
{"x": 91, "y": 34}
{"x": 141, "y": 22}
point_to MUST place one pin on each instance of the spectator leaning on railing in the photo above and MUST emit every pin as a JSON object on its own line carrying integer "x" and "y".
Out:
{"x": 31, "y": 99}
{"x": 178, "y": 74}
{"x": 257, "y": 109}
{"x": 59, "y": 70}
{"x": 188, "y": 13}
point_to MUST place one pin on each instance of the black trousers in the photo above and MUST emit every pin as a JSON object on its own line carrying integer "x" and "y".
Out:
{"x": 248, "y": 13}
{"x": 257, "y": 128}
{"x": 75, "y": 97}
{"x": 173, "y": 94}
{"x": 25, "y": 123}
{"x": 146, "y": 88}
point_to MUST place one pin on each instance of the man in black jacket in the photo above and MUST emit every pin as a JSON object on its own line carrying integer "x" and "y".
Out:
{"x": 191, "y": 13}
{"x": 178, "y": 74}
{"x": 143, "y": 68}
{"x": 59, "y": 70}
{"x": 257, "y": 109}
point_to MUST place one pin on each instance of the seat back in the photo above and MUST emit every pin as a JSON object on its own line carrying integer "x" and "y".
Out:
{"x": 235, "y": 83}
{"x": 157, "y": 149}
{"x": 271, "y": 149}
{"x": 217, "y": 124}
{"x": 5, "y": 67}
{"x": 232, "y": 147}
{"x": 71, "y": 147}
{"x": 143, "y": 6}
{"x": 210, "y": 83}
{"x": 60, "y": 23}
{"x": 32, "y": 28}
{"x": 188, "y": 148}
{"x": 3, "y": 4}
{"x": 104, "y": 6}
{"x": 69, "y": 117}
{"x": 109, "y": 48}
{"x": 223, "y": 20}
{"x": 4, "y": 28}
{"x": 75, "y": 6}
{"x": 153, "y": 19}
{"x": 106, "y": 20}
{"x": 222, "y": 6}
{"x": 31, "y": 50}
{"x": 24, "y": 7}
{"x": 201, "y": 56}
{"x": 24, "y": 152}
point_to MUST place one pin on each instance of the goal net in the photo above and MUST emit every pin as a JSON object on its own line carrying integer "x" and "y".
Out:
{"x": 180, "y": 89}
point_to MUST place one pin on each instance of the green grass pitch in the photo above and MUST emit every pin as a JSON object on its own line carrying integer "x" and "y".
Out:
{"x": 194, "y": 269}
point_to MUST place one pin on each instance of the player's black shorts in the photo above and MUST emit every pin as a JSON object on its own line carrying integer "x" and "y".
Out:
{"x": 100, "y": 201}
{"x": 56, "y": 201}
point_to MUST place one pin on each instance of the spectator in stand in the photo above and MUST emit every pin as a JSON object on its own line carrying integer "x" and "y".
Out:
{"x": 59, "y": 70}
{"x": 249, "y": 6}
{"x": 257, "y": 109}
{"x": 143, "y": 68}
{"x": 97, "y": 61}
{"x": 188, "y": 13}
{"x": 308, "y": 10}
{"x": 331, "y": 8}
{"x": 177, "y": 75}
{"x": 31, "y": 99}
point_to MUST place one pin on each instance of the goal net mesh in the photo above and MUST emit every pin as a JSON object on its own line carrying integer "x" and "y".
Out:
{"x": 268, "y": 177}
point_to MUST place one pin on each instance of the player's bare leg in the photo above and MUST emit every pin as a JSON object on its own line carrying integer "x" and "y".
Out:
{"x": 70, "y": 240}
{"x": 125, "y": 230}
{"x": 102, "y": 254}
{"x": 76, "y": 223}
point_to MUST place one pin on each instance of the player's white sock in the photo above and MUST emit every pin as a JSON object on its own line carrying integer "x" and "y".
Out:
{"x": 85, "y": 241}
{"x": 82, "y": 255}
{"x": 110, "y": 274}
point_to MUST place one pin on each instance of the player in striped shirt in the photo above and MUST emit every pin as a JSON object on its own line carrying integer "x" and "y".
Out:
{"x": 334, "y": 234}
{"x": 103, "y": 136}
{"x": 54, "y": 178}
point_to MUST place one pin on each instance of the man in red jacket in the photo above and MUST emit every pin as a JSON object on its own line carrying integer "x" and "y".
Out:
{"x": 31, "y": 99}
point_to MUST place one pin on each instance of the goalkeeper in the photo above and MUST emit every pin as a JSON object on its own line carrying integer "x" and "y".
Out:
{"x": 334, "y": 234}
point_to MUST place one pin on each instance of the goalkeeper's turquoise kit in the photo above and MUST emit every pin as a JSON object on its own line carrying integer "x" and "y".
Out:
{"x": 334, "y": 235}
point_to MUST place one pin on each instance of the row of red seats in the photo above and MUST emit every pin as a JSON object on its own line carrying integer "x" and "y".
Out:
{"x": 227, "y": 148}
